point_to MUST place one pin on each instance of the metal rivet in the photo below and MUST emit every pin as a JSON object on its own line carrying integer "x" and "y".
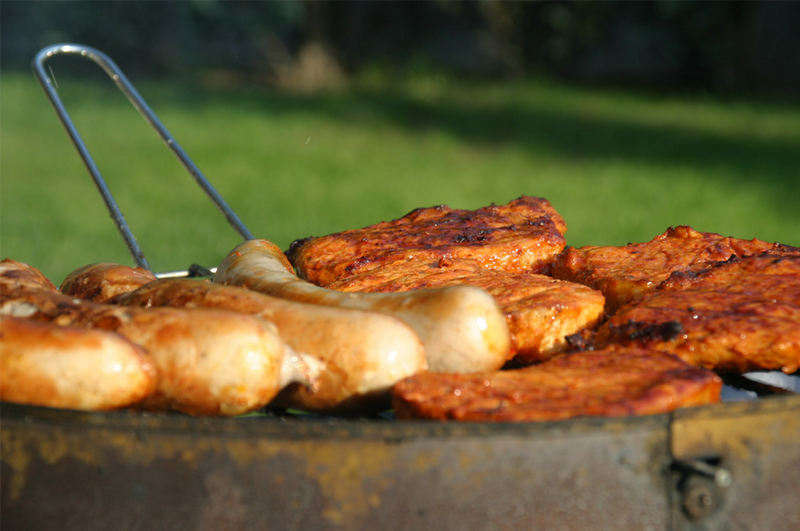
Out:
{"x": 698, "y": 499}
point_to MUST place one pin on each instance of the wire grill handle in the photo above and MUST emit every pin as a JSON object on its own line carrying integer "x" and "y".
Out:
{"x": 116, "y": 75}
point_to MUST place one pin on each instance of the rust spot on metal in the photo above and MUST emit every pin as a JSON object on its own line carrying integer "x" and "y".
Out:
{"x": 14, "y": 453}
{"x": 740, "y": 429}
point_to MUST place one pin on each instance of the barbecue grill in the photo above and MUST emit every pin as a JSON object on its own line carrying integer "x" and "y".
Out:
{"x": 726, "y": 465}
{"x": 732, "y": 464}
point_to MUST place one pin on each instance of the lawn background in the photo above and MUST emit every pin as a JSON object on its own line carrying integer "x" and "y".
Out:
{"x": 619, "y": 165}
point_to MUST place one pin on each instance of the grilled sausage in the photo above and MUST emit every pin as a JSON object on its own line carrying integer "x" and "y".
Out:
{"x": 461, "y": 327}
{"x": 363, "y": 353}
{"x": 209, "y": 362}
{"x": 102, "y": 282}
{"x": 16, "y": 276}
{"x": 56, "y": 366}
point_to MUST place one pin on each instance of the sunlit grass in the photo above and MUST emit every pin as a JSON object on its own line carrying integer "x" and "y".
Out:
{"x": 619, "y": 166}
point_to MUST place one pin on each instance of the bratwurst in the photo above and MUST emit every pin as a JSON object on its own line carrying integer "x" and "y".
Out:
{"x": 44, "y": 364}
{"x": 362, "y": 354}
{"x": 209, "y": 362}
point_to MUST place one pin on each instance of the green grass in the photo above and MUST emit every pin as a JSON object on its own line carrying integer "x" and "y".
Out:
{"x": 619, "y": 166}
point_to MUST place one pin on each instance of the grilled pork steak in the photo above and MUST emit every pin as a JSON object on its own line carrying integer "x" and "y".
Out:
{"x": 611, "y": 382}
{"x": 624, "y": 274}
{"x": 522, "y": 235}
{"x": 497, "y": 248}
{"x": 738, "y": 315}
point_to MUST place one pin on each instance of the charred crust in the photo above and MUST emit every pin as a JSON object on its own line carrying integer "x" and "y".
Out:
{"x": 679, "y": 276}
{"x": 578, "y": 342}
{"x": 357, "y": 264}
{"x": 539, "y": 222}
{"x": 691, "y": 274}
{"x": 783, "y": 248}
{"x": 670, "y": 330}
{"x": 638, "y": 331}
{"x": 471, "y": 236}
{"x": 295, "y": 247}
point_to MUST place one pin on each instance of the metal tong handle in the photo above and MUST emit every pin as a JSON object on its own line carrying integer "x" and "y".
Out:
{"x": 113, "y": 71}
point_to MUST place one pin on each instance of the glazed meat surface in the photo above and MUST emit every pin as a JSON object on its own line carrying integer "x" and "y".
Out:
{"x": 522, "y": 235}
{"x": 625, "y": 274}
{"x": 102, "y": 282}
{"x": 540, "y": 311}
{"x": 738, "y": 315}
{"x": 611, "y": 382}
{"x": 16, "y": 276}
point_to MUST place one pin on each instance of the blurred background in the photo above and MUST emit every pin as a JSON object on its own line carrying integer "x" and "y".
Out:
{"x": 316, "y": 117}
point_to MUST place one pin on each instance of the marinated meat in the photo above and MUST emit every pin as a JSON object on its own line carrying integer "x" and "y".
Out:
{"x": 610, "y": 382}
{"x": 540, "y": 311}
{"x": 624, "y": 274}
{"x": 523, "y": 235}
{"x": 738, "y": 315}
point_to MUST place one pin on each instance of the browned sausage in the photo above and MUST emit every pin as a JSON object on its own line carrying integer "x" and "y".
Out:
{"x": 16, "y": 276}
{"x": 103, "y": 282}
{"x": 208, "y": 361}
{"x": 362, "y": 353}
{"x": 57, "y": 366}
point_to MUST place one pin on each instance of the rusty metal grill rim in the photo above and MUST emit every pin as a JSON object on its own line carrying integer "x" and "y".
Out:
{"x": 358, "y": 428}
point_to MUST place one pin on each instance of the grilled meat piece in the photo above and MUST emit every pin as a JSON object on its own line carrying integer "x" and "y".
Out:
{"x": 540, "y": 311}
{"x": 208, "y": 361}
{"x": 60, "y": 366}
{"x": 738, "y": 315}
{"x": 102, "y": 282}
{"x": 610, "y": 382}
{"x": 362, "y": 354}
{"x": 523, "y": 235}
{"x": 16, "y": 276}
{"x": 624, "y": 274}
